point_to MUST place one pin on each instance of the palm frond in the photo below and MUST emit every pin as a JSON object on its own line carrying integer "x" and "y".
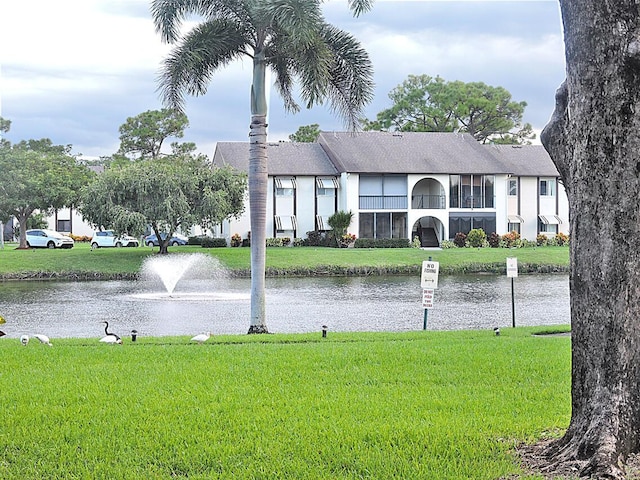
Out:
{"x": 338, "y": 70}
{"x": 358, "y": 7}
{"x": 205, "y": 49}
{"x": 168, "y": 15}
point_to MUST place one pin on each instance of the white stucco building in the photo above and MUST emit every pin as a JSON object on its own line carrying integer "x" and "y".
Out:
{"x": 402, "y": 185}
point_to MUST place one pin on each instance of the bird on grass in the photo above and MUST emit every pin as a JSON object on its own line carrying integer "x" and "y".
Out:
{"x": 203, "y": 337}
{"x": 108, "y": 336}
{"x": 43, "y": 339}
{"x": 24, "y": 340}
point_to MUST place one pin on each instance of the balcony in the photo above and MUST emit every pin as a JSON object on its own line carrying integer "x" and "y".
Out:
{"x": 428, "y": 202}
{"x": 383, "y": 202}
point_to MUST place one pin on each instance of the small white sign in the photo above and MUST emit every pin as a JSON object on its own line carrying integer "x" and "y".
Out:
{"x": 429, "y": 276}
{"x": 512, "y": 267}
{"x": 427, "y": 298}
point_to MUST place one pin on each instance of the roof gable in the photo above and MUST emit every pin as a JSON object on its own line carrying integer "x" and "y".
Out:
{"x": 284, "y": 158}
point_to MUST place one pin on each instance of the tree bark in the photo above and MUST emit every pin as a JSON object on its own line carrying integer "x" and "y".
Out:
{"x": 594, "y": 140}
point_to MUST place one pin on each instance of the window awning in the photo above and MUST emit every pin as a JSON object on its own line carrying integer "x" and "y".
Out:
{"x": 323, "y": 222}
{"x": 550, "y": 219}
{"x": 286, "y": 182}
{"x": 327, "y": 182}
{"x": 286, "y": 222}
{"x": 515, "y": 219}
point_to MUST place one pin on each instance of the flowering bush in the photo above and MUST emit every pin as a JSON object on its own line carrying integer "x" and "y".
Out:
{"x": 460, "y": 240}
{"x": 348, "y": 238}
{"x": 236, "y": 240}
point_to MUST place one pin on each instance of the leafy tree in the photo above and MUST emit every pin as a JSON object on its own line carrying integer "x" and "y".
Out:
{"x": 593, "y": 137}
{"x": 306, "y": 134}
{"x": 291, "y": 38}
{"x": 142, "y": 136}
{"x": 39, "y": 176}
{"x": 426, "y": 104}
{"x": 167, "y": 193}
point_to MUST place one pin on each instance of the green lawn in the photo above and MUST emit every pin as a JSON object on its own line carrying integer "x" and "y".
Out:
{"x": 300, "y": 260}
{"x": 419, "y": 405}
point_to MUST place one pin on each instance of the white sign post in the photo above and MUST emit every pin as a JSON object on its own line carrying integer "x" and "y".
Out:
{"x": 512, "y": 272}
{"x": 428, "y": 282}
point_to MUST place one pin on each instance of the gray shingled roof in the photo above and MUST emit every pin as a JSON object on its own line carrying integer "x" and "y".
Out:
{"x": 525, "y": 160}
{"x": 409, "y": 152}
{"x": 385, "y": 152}
{"x": 284, "y": 158}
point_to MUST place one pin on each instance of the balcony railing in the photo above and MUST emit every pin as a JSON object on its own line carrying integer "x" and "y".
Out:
{"x": 472, "y": 202}
{"x": 428, "y": 201}
{"x": 380, "y": 202}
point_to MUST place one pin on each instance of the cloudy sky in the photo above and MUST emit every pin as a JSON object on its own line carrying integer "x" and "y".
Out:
{"x": 74, "y": 70}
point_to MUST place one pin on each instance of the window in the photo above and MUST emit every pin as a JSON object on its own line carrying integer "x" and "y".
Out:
{"x": 284, "y": 192}
{"x": 547, "y": 188}
{"x": 64, "y": 226}
{"x": 383, "y": 192}
{"x": 326, "y": 192}
{"x": 513, "y": 188}
{"x": 513, "y": 227}
{"x": 547, "y": 228}
{"x": 466, "y": 223}
{"x": 471, "y": 191}
{"x": 383, "y": 225}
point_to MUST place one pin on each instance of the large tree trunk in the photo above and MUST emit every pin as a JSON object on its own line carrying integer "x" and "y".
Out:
{"x": 594, "y": 139}
{"x": 258, "y": 195}
{"x": 22, "y": 217}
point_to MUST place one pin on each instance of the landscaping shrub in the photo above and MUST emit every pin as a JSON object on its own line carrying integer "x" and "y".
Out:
{"x": 494, "y": 240}
{"x": 446, "y": 244}
{"x": 511, "y": 239}
{"x": 561, "y": 239}
{"x": 236, "y": 240}
{"x": 382, "y": 243}
{"x": 209, "y": 242}
{"x": 197, "y": 240}
{"x": 460, "y": 240}
{"x": 316, "y": 238}
{"x": 541, "y": 240}
{"x": 476, "y": 238}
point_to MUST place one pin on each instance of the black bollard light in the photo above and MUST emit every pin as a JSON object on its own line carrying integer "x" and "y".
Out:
{"x": 134, "y": 335}
{"x": 324, "y": 331}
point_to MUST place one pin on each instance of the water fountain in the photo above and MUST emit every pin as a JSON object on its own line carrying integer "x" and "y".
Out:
{"x": 202, "y": 275}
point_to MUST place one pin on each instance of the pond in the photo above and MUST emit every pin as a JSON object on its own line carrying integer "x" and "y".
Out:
{"x": 294, "y": 305}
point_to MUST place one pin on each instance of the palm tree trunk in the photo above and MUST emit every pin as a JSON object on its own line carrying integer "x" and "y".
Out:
{"x": 258, "y": 195}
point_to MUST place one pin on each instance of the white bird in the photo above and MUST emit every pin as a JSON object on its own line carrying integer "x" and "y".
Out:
{"x": 24, "y": 339}
{"x": 109, "y": 337}
{"x": 43, "y": 339}
{"x": 203, "y": 337}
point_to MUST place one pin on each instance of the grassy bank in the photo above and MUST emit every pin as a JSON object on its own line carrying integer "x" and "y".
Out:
{"x": 419, "y": 405}
{"x": 82, "y": 262}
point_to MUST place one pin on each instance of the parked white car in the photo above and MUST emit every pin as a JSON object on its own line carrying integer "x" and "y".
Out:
{"x": 40, "y": 238}
{"x": 107, "y": 238}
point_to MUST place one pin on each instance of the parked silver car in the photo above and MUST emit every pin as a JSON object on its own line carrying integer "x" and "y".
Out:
{"x": 40, "y": 238}
{"x": 107, "y": 238}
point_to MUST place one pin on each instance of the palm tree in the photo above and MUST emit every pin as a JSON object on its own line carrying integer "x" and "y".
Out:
{"x": 292, "y": 39}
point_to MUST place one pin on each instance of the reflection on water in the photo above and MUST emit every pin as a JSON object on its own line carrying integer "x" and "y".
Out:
{"x": 294, "y": 305}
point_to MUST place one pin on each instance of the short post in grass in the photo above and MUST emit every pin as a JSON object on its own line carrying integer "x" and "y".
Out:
{"x": 512, "y": 272}
{"x": 428, "y": 282}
